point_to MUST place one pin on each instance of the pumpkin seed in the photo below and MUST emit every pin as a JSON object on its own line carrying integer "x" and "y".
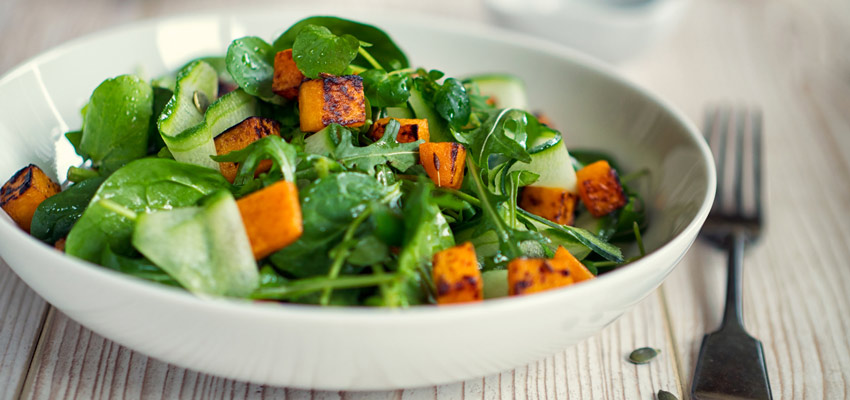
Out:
{"x": 201, "y": 101}
{"x": 665, "y": 395}
{"x": 643, "y": 355}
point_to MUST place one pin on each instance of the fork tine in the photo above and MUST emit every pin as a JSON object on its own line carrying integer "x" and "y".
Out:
{"x": 720, "y": 133}
{"x": 757, "y": 153}
{"x": 740, "y": 132}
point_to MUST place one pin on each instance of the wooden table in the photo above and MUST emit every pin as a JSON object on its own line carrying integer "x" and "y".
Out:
{"x": 791, "y": 57}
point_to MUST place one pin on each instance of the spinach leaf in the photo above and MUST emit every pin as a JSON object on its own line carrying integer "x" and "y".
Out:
{"x": 452, "y": 103}
{"x": 55, "y": 216}
{"x": 283, "y": 156}
{"x": 619, "y": 225}
{"x": 250, "y": 61}
{"x": 382, "y": 48}
{"x": 116, "y": 121}
{"x": 142, "y": 185}
{"x": 425, "y": 233}
{"x": 316, "y": 50}
{"x": 385, "y": 90}
{"x": 161, "y": 96}
{"x": 328, "y": 206}
{"x": 138, "y": 267}
{"x": 384, "y": 151}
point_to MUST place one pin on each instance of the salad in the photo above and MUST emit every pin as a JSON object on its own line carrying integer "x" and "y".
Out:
{"x": 323, "y": 168}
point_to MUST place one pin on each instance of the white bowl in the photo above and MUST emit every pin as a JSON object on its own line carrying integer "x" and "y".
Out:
{"x": 354, "y": 348}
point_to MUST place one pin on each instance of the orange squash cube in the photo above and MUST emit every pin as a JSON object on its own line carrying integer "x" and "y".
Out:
{"x": 272, "y": 218}
{"x": 532, "y": 275}
{"x": 409, "y": 130}
{"x": 331, "y": 100}
{"x": 556, "y": 205}
{"x": 600, "y": 189}
{"x": 24, "y": 191}
{"x": 444, "y": 162}
{"x": 239, "y": 137}
{"x": 287, "y": 77}
{"x": 577, "y": 270}
{"x": 456, "y": 274}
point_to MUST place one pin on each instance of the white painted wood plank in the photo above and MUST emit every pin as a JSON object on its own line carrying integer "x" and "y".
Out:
{"x": 71, "y": 361}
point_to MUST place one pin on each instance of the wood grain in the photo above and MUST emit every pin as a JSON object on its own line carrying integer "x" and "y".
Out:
{"x": 791, "y": 58}
{"x": 71, "y": 361}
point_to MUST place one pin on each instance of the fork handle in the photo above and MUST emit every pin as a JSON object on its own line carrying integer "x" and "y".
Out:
{"x": 733, "y": 314}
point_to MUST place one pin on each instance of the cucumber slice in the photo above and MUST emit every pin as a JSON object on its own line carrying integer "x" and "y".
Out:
{"x": 204, "y": 248}
{"x": 196, "y": 144}
{"x": 323, "y": 142}
{"x": 181, "y": 113}
{"x": 495, "y": 283}
{"x": 554, "y": 166}
{"x": 399, "y": 112}
{"x": 507, "y": 91}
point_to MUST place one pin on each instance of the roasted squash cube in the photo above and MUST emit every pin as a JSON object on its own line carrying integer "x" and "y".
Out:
{"x": 457, "y": 276}
{"x": 239, "y": 137}
{"x": 600, "y": 189}
{"x": 331, "y": 100}
{"x": 444, "y": 162}
{"x": 272, "y": 218}
{"x": 409, "y": 130}
{"x": 577, "y": 270}
{"x": 556, "y": 205}
{"x": 24, "y": 191}
{"x": 532, "y": 275}
{"x": 287, "y": 77}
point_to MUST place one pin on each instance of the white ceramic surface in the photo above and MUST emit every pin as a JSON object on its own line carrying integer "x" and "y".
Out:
{"x": 334, "y": 348}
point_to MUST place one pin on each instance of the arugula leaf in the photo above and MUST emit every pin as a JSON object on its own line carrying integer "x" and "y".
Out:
{"x": 425, "y": 233}
{"x": 382, "y": 48}
{"x": 386, "y": 150}
{"x": 500, "y": 138}
{"x": 115, "y": 125}
{"x": 316, "y": 50}
{"x": 583, "y": 236}
{"x": 138, "y": 267}
{"x": 250, "y": 61}
{"x": 142, "y": 185}
{"x": 452, "y": 103}
{"x": 56, "y": 215}
{"x": 385, "y": 90}
{"x": 283, "y": 156}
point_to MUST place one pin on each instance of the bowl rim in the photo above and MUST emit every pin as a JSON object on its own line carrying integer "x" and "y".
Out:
{"x": 248, "y": 308}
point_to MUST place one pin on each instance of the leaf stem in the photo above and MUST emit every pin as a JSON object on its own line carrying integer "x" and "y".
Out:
{"x": 304, "y": 286}
{"x": 490, "y": 211}
{"x": 118, "y": 209}
{"x": 461, "y": 195}
{"x": 342, "y": 252}
{"x": 375, "y": 64}
{"x": 638, "y": 238}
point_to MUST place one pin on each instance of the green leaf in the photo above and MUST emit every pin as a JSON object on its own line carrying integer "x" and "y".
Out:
{"x": 452, "y": 103}
{"x": 316, "y": 50}
{"x": 115, "y": 126}
{"x": 138, "y": 267}
{"x": 283, "y": 156}
{"x": 142, "y": 185}
{"x": 502, "y": 137}
{"x": 55, "y": 216}
{"x": 385, "y": 90}
{"x": 250, "y": 61}
{"x": 328, "y": 206}
{"x": 382, "y": 48}
{"x": 386, "y": 150}
{"x": 205, "y": 248}
{"x": 425, "y": 233}
{"x": 599, "y": 246}
{"x": 161, "y": 97}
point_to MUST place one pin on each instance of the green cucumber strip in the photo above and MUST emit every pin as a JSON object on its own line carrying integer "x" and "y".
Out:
{"x": 323, "y": 142}
{"x": 495, "y": 283}
{"x": 554, "y": 167}
{"x": 196, "y": 144}
{"x": 205, "y": 248}
{"x": 507, "y": 91}
{"x": 180, "y": 113}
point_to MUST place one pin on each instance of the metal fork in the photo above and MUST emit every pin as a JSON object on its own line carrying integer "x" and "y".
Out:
{"x": 731, "y": 362}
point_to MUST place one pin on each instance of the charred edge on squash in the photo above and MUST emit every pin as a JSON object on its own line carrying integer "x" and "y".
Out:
{"x": 453, "y": 157}
{"x": 336, "y": 109}
{"x": 12, "y": 192}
